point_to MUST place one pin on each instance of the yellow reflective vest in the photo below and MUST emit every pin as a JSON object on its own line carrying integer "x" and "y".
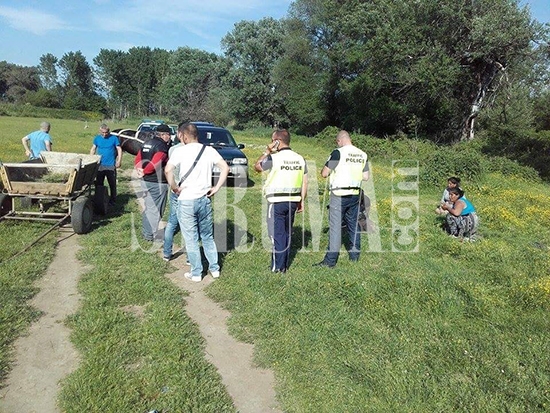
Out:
{"x": 346, "y": 178}
{"x": 284, "y": 182}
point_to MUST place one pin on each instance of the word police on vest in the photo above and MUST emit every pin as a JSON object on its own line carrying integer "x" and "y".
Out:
{"x": 353, "y": 157}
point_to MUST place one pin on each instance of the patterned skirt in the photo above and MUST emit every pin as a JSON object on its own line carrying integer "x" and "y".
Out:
{"x": 463, "y": 226}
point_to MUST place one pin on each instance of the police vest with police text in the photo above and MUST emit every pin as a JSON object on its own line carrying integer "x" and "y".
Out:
{"x": 284, "y": 182}
{"x": 346, "y": 178}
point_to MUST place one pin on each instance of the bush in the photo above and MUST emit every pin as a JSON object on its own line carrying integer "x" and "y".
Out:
{"x": 327, "y": 136}
{"x": 42, "y": 98}
{"x": 528, "y": 148}
{"x": 389, "y": 148}
{"x": 509, "y": 167}
{"x": 465, "y": 160}
{"x": 459, "y": 160}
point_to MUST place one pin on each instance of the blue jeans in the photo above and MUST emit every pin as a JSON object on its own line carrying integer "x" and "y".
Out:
{"x": 172, "y": 226}
{"x": 155, "y": 202}
{"x": 343, "y": 210}
{"x": 196, "y": 221}
{"x": 280, "y": 217}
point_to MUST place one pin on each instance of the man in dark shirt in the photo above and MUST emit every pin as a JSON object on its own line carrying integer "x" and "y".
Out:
{"x": 149, "y": 163}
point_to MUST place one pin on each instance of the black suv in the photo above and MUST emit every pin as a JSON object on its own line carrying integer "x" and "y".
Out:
{"x": 222, "y": 140}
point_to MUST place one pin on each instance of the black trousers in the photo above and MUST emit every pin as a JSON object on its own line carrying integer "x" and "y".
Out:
{"x": 111, "y": 179}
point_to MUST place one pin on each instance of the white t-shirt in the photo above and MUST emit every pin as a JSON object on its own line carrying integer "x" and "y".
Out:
{"x": 170, "y": 152}
{"x": 199, "y": 181}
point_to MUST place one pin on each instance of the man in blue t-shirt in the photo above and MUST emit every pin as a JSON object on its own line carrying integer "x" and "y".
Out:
{"x": 108, "y": 146}
{"x": 39, "y": 140}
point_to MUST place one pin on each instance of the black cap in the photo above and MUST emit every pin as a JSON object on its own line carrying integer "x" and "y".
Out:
{"x": 163, "y": 128}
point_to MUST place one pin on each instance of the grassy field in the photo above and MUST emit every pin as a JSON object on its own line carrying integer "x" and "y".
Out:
{"x": 433, "y": 325}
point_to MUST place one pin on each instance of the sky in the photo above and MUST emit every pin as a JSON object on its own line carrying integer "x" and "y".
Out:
{"x": 32, "y": 28}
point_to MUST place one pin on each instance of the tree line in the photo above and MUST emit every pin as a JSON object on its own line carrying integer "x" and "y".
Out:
{"x": 435, "y": 69}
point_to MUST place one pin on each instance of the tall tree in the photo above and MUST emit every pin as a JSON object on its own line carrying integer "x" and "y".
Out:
{"x": 431, "y": 65}
{"x": 300, "y": 82}
{"x": 16, "y": 81}
{"x": 47, "y": 70}
{"x": 144, "y": 67}
{"x": 132, "y": 79}
{"x": 186, "y": 89}
{"x": 253, "y": 48}
{"x": 76, "y": 73}
{"x": 78, "y": 84}
{"x": 114, "y": 81}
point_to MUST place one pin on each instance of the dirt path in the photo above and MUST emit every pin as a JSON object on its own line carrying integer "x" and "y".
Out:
{"x": 46, "y": 355}
{"x": 251, "y": 388}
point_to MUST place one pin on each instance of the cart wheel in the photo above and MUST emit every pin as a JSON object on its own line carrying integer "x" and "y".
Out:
{"x": 82, "y": 215}
{"x": 5, "y": 204}
{"x": 101, "y": 200}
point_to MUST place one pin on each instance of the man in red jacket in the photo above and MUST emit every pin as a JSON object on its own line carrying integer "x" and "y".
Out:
{"x": 149, "y": 163}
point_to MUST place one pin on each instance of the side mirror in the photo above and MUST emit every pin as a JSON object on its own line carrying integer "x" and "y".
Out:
{"x": 240, "y": 145}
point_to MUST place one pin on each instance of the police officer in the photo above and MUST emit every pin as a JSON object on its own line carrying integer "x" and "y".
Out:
{"x": 346, "y": 168}
{"x": 285, "y": 190}
{"x": 149, "y": 164}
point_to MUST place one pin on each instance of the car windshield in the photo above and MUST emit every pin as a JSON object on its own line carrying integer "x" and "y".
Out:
{"x": 216, "y": 138}
{"x": 147, "y": 128}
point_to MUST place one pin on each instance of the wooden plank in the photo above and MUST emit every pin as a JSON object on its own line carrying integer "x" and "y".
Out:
{"x": 39, "y": 188}
{"x": 70, "y": 187}
{"x": 5, "y": 178}
{"x": 28, "y": 165}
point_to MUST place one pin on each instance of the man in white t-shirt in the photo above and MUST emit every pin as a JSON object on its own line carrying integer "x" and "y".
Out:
{"x": 194, "y": 189}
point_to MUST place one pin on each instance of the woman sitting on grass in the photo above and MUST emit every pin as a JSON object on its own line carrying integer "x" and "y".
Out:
{"x": 452, "y": 182}
{"x": 461, "y": 221}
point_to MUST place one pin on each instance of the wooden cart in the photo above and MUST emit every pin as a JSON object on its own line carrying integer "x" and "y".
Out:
{"x": 57, "y": 178}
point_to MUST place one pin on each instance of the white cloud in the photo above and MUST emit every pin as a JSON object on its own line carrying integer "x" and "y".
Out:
{"x": 32, "y": 20}
{"x": 200, "y": 17}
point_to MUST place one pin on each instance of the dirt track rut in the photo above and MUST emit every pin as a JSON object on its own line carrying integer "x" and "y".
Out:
{"x": 45, "y": 355}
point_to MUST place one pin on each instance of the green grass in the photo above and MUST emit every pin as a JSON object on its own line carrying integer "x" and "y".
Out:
{"x": 140, "y": 350}
{"x": 452, "y": 327}
{"x": 17, "y": 274}
{"x": 67, "y": 135}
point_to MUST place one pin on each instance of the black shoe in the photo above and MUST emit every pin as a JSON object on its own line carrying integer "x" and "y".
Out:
{"x": 323, "y": 264}
{"x": 281, "y": 271}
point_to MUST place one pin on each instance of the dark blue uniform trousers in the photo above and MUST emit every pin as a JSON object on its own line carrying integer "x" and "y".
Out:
{"x": 280, "y": 217}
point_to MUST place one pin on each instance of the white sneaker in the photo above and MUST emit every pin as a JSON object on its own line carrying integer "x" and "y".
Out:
{"x": 215, "y": 274}
{"x": 194, "y": 278}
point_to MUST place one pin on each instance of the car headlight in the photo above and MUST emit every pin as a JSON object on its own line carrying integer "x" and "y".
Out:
{"x": 240, "y": 161}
